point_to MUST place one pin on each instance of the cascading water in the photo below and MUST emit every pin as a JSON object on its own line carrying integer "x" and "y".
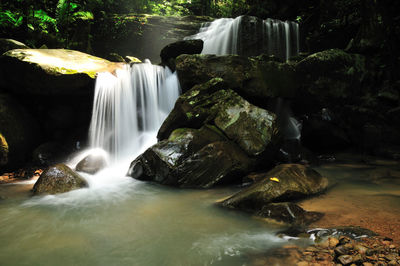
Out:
{"x": 129, "y": 108}
{"x": 233, "y": 36}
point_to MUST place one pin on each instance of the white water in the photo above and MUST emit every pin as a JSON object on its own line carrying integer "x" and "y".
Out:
{"x": 129, "y": 108}
{"x": 223, "y": 36}
{"x": 220, "y": 36}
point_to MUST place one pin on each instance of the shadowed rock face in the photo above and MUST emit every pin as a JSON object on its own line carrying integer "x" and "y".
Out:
{"x": 285, "y": 182}
{"x": 58, "y": 179}
{"x": 52, "y": 71}
{"x": 192, "y": 158}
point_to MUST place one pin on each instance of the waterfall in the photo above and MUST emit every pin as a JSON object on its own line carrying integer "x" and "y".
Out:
{"x": 131, "y": 106}
{"x": 220, "y": 36}
{"x": 247, "y": 35}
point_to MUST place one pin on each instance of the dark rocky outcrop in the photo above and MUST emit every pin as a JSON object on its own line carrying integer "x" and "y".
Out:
{"x": 285, "y": 182}
{"x": 198, "y": 158}
{"x": 173, "y": 50}
{"x": 58, "y": 179}
{"x": 252, "y": 128}
{"x": 19, "y": 130}
{"x": 9, "y": 44}
{"x": 255, "y": 78}
{"x": 330, "y": 77}
{"x": 91, "y": 164}
{"x": 51, "y": 71}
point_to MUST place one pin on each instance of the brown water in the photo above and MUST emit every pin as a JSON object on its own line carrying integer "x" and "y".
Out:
{"x": 366, "y": 193}
{"x": 120, "y": 221}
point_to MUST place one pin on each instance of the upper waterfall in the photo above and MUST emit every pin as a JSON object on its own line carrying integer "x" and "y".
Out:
{"x": 247, "y": 35}
{"x": 130, "y": 106}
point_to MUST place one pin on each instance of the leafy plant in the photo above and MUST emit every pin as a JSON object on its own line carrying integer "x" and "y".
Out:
{"x": 8, "y": 18}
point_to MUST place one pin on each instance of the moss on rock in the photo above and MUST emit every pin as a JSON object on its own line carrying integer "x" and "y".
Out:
{"x": 52, "y": 71}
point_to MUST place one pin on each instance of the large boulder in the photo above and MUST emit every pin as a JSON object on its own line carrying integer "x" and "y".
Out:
{"x": 58, "y": 179}
{"x": 10, "y": 44}
{"x": 51, "y": 71}
{"x": 330, "y": 77}
{"x": 19, "y": 130}
{"x": 285, "y": 182}
{"x": 259, "y": 78}
{"x": 199, "y": 158}
{"x": 252, "y": 128}
{"x": 91, "y": 164}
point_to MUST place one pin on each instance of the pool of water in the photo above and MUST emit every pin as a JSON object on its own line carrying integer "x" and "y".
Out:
{"x": 121, "y": 221}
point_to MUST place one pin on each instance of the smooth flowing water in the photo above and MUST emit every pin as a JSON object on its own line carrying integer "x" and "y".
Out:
{"x": 127, "y": 223}
{"x": 231, "y": 36}
{"x": 128, "y": 108}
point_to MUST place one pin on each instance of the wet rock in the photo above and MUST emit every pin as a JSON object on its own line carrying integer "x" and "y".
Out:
{"x": 283, "y": 183}
{"x": 10, "y": 44}
{"x": 173, "y": 50}
{"x": 252, "y": 128}
{"x": 58, "y": 179}
{"x": 52, "y": 71}
{"x": 345, "y": 259}
{"x": 19, "y": 131}
{"x": 257, "y": 78}
{"x": 91, "y": 164}
{"x": 289, "y": 213}
{"x": 191, "y": 158}
{"x": 216, "y": 163}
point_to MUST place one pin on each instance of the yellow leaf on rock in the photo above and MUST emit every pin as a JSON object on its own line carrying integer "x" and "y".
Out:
{"x": 274, "y": 179}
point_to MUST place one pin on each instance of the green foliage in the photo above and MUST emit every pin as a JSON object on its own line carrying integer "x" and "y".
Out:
{"x": 44, "y": 22}
{"x": 8, "y": 18}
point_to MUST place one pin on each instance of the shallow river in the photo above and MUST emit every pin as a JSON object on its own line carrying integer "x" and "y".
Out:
{"x": 120, "y": 221}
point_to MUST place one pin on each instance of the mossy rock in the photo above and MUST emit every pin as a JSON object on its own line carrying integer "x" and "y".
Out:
{"x": 252, "y": 128}
{"x": 52, "y": 71}
{"x": 286, "y": 182}
{"x": 58, "y": 179}
{"x": 331, "y": 76}
{"x": 19, "y": 129}
{"x": 254, "y": 78}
